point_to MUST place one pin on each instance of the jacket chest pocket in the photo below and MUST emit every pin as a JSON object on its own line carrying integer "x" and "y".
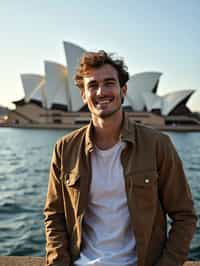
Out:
{"x": 72, "y": 186}
{"x": 143, "y": 189}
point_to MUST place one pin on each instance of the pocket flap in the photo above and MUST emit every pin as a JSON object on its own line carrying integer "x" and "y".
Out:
{"x": 71, "y": 178}
{"x": 145, "y": 179}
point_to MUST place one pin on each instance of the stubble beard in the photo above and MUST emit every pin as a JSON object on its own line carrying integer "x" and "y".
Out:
{"x": 110, "y": 113}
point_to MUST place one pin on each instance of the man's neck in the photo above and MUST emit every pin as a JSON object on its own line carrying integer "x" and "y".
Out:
{"x": 107, "y": 130}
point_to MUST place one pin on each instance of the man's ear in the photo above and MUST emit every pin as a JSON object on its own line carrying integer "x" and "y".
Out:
{"x": 83, "y": 95}
{"x": 124, "y": 90}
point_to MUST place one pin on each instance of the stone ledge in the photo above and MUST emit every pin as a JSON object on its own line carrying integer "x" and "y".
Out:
{"x": 39, "y": 261}
{"x": 21, "y": 261}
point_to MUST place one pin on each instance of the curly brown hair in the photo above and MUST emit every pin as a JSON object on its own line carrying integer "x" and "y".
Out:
{"x": 96, "y": 60}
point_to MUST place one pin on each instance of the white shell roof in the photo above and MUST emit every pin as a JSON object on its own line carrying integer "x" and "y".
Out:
{"x": 40, "y": 93}
{"x": 56, "y": 84}
{"x": 73, "y": 54}
{"x": 152, "y": 101}
{"x": 34, "y": 87}
{"x": 139, "y": 83}
{"x": 171, "y": 100}
{"x": 126, "y": 101}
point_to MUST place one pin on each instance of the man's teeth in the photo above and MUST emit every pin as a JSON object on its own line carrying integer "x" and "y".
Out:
{"x": 105, "y": 101}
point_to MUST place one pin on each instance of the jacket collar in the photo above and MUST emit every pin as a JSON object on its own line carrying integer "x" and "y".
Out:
{"x": 127, "y": 133}
{"x": 128, "y": 130}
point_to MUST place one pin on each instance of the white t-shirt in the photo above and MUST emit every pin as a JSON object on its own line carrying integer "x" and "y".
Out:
{"x": 108, "y": 237}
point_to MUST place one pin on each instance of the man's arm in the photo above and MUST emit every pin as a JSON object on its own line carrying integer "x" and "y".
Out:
{"x": 57, "y": 248}
{"x": 176, "y": 200}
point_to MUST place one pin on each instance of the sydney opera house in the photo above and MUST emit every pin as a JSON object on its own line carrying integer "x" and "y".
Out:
{"x": 53, "y": 101}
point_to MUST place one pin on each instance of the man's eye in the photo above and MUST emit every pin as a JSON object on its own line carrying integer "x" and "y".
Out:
{"x": 92, "y": 86}
{"x": 110, "y": 83}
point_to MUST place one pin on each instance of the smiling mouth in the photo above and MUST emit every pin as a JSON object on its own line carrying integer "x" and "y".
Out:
{"x": 103, "y": 102}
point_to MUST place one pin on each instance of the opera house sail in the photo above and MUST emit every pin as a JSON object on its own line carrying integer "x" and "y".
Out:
{"x": 57, "y": 96}
{"x": 141, "y": 83}
{"x": 33, "y": 85}
{"x": 73, "y": 54}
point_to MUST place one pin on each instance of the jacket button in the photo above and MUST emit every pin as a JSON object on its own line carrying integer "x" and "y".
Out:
{"x": 146, "y": 181}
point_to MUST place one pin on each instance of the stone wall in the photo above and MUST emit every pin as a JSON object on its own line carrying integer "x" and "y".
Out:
{"x": 38, "y": 261}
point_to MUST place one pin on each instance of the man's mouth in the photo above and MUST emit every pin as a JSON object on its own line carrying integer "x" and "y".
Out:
{"x": 103, "y": 102}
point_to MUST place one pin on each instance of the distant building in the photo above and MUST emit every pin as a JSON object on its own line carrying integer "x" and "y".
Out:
{"x": 53, "y": 99}
{"x": 3, "y": 111}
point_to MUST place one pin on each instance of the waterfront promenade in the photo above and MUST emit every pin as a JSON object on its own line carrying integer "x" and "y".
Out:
{"x": 39, "y": 261}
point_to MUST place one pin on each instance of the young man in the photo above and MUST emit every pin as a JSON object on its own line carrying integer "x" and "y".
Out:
{"x": 113, "y": 182}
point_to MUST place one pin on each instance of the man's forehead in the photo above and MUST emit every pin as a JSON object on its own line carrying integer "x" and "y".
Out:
{"x": 104, "y": 72}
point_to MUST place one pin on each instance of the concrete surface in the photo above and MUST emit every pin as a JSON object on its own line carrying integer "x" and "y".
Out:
{"x": 38, "y": 261}
{"x": 21, "y": 261}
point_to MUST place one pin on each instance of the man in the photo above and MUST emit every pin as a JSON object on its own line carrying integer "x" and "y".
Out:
{"x": 113, "y": 182}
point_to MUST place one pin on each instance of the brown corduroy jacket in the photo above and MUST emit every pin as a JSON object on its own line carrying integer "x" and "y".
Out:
{"x": 156, "y": 186}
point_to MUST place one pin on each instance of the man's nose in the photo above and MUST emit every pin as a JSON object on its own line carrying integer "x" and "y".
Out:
{"x": 101, "y": 90}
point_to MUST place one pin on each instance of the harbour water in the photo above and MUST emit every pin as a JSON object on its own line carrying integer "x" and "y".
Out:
{"x": 24, "y": 164}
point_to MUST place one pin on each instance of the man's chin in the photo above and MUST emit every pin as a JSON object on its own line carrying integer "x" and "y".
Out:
{"x": 106, "y": 113}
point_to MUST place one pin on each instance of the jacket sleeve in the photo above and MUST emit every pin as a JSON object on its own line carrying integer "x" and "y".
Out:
{"x": 176, "y": 200}
{"x": 57, "y": 247}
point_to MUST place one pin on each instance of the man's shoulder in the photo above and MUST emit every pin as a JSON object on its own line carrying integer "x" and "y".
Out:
{"x": 150, "y": 133}
{"x": 147, "y": 135}
{"x": 151, "y": 140}
{"x": 73, "y": 136}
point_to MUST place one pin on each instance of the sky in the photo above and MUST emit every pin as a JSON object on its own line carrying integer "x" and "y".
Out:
{"x": 150, "y": 35}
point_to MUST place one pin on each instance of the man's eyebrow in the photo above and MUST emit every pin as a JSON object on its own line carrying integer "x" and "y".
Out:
{"x": 91, "y": 82}
{"x": 109, "y": 79}
{"x": 94, "y": 82}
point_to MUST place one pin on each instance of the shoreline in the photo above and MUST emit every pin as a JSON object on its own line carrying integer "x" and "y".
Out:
{"x": 177, "y": 128}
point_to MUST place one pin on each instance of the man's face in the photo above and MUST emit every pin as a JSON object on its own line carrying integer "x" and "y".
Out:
{"x": 102, "y": 92}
